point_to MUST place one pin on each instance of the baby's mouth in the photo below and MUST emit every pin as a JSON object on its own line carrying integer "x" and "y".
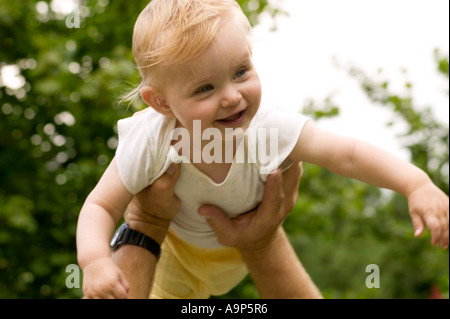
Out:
{"x": 233, "y": 117}
{"x": 234, "y": 120}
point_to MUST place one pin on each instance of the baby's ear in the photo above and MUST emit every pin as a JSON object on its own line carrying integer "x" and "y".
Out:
{"x": 155, "y": 99}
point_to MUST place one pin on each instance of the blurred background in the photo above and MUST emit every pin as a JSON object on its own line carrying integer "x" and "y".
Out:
{"x": 376, "y": 70}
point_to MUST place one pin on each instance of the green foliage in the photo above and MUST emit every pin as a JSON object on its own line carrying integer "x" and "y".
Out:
{"x": 325, "y": 109}
{"x": 58, "y": 129}
{"x": 58, "y": 135}
{"x": 340, "y": 226}
{"x": 442, "y": 62}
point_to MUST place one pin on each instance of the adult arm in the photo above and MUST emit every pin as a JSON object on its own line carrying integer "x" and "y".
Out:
{"x": 150, "y": 213}
{"x": 263, "y": 240}
{"x": 270, "y": 258}
{"x": 282, "y": 276}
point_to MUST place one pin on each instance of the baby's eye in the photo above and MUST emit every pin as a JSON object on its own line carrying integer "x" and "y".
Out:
{"x": 205, "y": 88}
{"x": 240, "y": 73}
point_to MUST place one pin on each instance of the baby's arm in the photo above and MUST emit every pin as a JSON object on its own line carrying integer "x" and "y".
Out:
{"x": 100, "y": 213}
{"x": 367, "y": 163}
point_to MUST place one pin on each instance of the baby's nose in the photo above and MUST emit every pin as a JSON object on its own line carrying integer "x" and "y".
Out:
{"x": 231, "y": 97}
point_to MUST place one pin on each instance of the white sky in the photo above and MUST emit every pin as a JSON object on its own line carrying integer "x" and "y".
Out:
{"x": 295, "y": 62}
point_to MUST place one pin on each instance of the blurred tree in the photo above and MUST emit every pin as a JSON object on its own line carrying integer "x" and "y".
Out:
{"x": 63, "y": 65}
{"x": 58, "y": 112}
{"x": 340, "y": 226}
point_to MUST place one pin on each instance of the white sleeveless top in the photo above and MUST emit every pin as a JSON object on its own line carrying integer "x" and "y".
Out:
{"x": 145, "y": 153}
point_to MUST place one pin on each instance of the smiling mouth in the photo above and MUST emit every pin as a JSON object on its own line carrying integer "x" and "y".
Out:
{"x": 233, "y": 120}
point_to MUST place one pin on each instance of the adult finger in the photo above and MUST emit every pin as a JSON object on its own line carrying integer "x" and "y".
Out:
{"x": 291, "y": 183}
{"x": 165, "y": 185}
{"x": 273, "y": 197}
{"x": 221, "y": 224}
{"x": 291, "y": 177}
{"x": 174, "y": 171}
{"x": 161, "y": 192}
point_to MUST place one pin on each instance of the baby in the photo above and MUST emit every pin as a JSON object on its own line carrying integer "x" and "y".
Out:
{"x": 195, "y": 60}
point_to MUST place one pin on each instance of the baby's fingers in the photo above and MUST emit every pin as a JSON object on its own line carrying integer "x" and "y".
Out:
{"x": 439, "y": 230}
{"x": 445, "y": 235}
{"x": 117, "y": 292}
{"x": 444, "y": 241}
{"x": 418, "y": 225}
{"x": 121, "y": 288}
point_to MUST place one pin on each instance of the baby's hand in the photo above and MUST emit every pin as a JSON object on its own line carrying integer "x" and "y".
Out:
{"x": 102, "y": 279}
{"x": 429, "y": 205}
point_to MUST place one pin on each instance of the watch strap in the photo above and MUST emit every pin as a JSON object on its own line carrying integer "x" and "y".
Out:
{"x": 128, "y": 236}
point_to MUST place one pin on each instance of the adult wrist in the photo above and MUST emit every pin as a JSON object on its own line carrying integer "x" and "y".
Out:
{"x": 156, "y": 231}
{"x": 125, "y": 235}
{"x": 262, "y": 246}
{"x": 146, "y": 222}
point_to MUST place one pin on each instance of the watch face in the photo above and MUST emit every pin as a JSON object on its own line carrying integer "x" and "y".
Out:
{"x": 116, "y": 235}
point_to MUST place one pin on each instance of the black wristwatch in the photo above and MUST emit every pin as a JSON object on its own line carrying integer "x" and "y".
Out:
{"x": 124, "y": 235}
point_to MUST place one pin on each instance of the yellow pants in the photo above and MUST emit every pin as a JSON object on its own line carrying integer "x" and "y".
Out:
{"x": 186, "y": 271}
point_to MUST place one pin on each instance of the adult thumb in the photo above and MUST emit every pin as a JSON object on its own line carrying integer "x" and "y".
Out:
{"x": 221, "y": 224}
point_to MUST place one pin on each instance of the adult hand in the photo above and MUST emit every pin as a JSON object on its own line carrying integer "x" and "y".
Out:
{"x": 258, "y": 235}
{"x": 155, "y": 206}
{"x": 150, "y": 212}
{"x": 256, "y": 230}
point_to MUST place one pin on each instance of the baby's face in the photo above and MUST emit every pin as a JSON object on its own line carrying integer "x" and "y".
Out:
{"x": 221, "y": 87}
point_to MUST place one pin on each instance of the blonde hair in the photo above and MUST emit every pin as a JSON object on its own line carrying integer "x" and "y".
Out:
{"x": 168, "y": 32}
